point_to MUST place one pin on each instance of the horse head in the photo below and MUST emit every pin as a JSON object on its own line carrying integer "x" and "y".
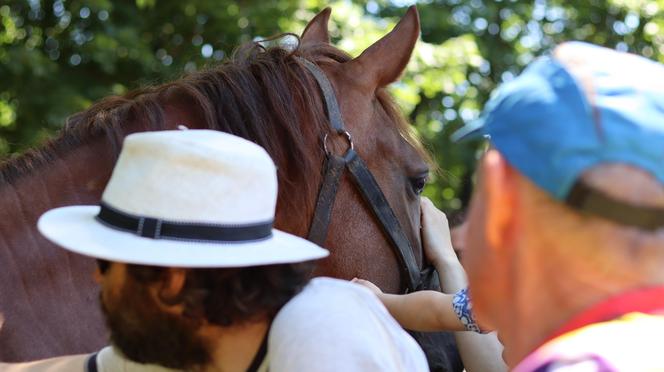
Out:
{"x": 381, "y": 136}
{"x": 267, "y": 94}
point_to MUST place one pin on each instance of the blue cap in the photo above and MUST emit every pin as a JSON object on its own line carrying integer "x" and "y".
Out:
{"x": 581, "y": 106}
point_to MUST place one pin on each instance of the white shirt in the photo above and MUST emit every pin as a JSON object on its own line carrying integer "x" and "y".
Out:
{"x": 109, "y": 360}
{"x": 335, "y": 325}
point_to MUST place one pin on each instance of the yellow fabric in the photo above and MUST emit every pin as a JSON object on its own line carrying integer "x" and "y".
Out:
{"x": 633, "y": 342}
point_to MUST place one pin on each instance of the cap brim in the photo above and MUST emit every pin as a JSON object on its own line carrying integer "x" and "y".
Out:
{"x": 471, "y": 131}
{"x": 76, "y": 229}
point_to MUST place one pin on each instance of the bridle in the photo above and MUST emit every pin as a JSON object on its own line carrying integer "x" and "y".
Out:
{"x": 365, "y": 182}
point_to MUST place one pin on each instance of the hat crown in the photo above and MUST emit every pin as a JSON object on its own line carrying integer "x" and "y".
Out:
{"x": 197, "y": 176}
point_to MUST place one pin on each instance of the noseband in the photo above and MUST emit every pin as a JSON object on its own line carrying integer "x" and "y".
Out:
{"x": 364, "y": 181}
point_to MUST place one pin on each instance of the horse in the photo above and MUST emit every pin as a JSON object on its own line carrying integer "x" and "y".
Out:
{"x": 265, "y": 93}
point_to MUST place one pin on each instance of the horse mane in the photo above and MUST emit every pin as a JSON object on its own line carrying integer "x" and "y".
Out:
{"x": 262, "y": 93}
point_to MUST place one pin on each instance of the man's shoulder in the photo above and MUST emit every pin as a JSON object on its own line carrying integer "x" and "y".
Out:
{"x": 330, "y": 295}
{"x": 322, "y": 286}
{"x": 334, "y": 309}
{"x": 335, "y": 325}
{"x": 109, "y": 360}
{"x": 324, "y": 283}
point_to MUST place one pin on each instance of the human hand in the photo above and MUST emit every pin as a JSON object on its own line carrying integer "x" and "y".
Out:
{"x": 436, "y": 238}
{"x": 369, "y": 285}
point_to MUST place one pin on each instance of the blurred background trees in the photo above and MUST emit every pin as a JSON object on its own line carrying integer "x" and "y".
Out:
{"x": 57, "y": 57}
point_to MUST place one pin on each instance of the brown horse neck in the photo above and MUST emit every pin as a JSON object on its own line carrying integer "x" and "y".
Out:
{"x": 46, "y": 291}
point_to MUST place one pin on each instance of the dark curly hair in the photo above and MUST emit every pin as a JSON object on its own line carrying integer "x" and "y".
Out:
{"x": 145, "y": 333}
{"x": 233, "y": 295}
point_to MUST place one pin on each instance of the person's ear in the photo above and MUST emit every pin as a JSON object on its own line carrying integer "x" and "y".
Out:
{"x": 97, "y": 275}
{"x": 171, "y": 286}
{"x": 499, "y": 187}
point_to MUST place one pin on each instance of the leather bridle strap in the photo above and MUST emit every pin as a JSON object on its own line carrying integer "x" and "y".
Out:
{"x": 334, "y": 169}
{"x": 380, "y": 207}
{"x": 333, "y": 110}
{"x": 364, "y": 181}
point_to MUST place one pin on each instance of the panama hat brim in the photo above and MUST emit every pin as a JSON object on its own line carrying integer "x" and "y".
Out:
{"x": 76, "y": 229}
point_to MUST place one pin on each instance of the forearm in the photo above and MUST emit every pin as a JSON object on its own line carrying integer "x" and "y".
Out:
{"x": 479, "y": 352}
{"x": 424, "y": 311}
{"x": 452, "y": 275}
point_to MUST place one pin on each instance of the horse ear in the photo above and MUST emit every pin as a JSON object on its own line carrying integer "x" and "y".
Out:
{"x": 384, "y": 61}
{"x": 316, "y": 31}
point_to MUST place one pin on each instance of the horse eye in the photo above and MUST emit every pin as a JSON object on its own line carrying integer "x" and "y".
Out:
{"x": 418, "y": 184}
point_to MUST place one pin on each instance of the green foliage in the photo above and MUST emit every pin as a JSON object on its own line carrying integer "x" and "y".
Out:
{"x": 56, "y": 57}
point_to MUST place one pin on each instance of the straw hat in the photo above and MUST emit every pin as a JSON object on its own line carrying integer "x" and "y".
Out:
{"x": 193, "y": 198}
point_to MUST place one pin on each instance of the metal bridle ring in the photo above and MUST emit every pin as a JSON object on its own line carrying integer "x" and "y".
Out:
{"x": 348, "y": 137}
